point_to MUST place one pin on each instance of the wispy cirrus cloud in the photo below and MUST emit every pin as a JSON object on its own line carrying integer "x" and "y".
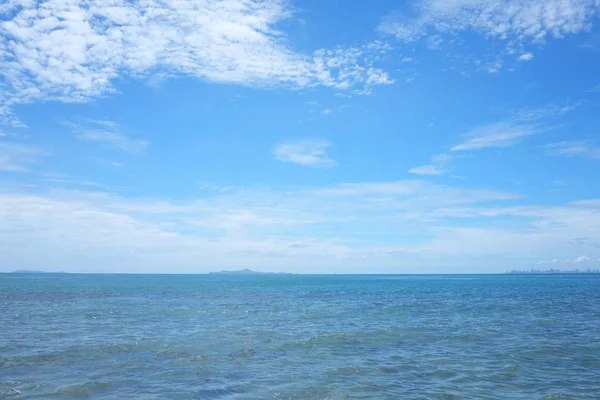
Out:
{"x": 4, "y": 134}
{"x": 107, "y": 132}
{"x": 522, "y": 124}
{"x": 579, "y": 148}
{"x": 114, "y": 139}
{"x": 498, "y": 134}
{"x": 310, "y": 153}
{"x": 72, "y": 51}
{"x": 418, "y": 193}
{"x": 426, "y": 170}
{"x": 107, "y": 162}
{"x": 505, "y": 133}
{"x": 105, "y": 123}
{"x": 16, "y": 157}
{"x": 439, "y": 165}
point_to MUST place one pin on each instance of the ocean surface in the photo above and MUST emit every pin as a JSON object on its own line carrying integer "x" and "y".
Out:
{"x": 68, "y": 336}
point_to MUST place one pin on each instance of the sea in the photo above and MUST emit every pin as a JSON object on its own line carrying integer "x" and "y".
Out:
{"x": 81, "y": 336}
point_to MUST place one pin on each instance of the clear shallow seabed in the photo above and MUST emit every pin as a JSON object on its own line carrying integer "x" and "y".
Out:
{"x": 299, "y": 337}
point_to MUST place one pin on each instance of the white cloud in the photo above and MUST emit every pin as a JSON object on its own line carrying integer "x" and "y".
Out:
{"x": 105, "y": 131}
{"x": 499, "y": 134}
{"x": 493, "y": 67}
{"x": 587, "y": 203}
{"x": 521, "y": 124}
{"x": 108, "y": 162}
{"x": 312, "y": 153}
{"x": 549, "y": 111}
{"x": 511, "y": 20}
{"x": 526, "y": 57}
{"x": 66, "y": 231}
{"x": 7, "y": 166}
{"x": 100, "y": 122}
{"x": 399, "y": 188}
{"x": 407, "y": 59}
{"x": 8, "y": 134}
{"x": 580, "y": 259}
{"x": 426, "y": 170}
{"x": 508, "y": 27}
{"x": 553, "y": 261}
{"x": 236, "y": 219}
{"x": 15, "y": 157}
{"x": 574, "y": 148}
{"x": 441, "y": 158}
{"x": 338, "y": 228}
{"x": 71, "y": 50}
{"x": 114, "y": 139}
{"x": 439, "y": 165}
{"x": 326, "y": 111}
{"x": 419, "y": 192}
{"x": 73, "y": 182}
{"x": 376, "y": 77}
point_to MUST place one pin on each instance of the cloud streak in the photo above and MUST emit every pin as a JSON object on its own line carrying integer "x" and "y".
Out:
{"x": 499, "y": 134}
{"x": 426, "y": 170}
{"x": 522, "y": 124}
{"x": 439, "y": 165}
{"x": 311, "y": 153}
{"x": 107, "y": 132}
{"x": 114, "y": 139}
{"x": 107, "y": 162}
{"x": 580, "y": 148}
{"x": 16, "y": 157}
{"x": 511, "y": 131}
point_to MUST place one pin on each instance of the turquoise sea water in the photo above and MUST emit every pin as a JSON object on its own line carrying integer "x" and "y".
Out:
{"x": 299, "y": 337}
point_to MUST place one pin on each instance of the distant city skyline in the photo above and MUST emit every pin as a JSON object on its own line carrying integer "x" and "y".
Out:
{"x": 431, "y": 136}
{"x": 555, "y": 271}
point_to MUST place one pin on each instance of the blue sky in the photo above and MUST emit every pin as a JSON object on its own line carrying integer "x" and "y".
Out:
{"x": 428, "y": 136}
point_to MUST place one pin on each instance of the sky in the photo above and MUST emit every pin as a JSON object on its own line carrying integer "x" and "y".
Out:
{"x": 187, "y": 136}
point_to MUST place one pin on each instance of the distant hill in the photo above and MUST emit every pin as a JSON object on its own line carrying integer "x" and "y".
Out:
{"x": 246, "y": 271}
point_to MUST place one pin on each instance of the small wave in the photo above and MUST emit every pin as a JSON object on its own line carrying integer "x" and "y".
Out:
{"x": 83, "y": 389}
{"x": 8, "y": 392}
{"x": 558, "y": 396}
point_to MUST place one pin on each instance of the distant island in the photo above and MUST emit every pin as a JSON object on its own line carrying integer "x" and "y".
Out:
{"x": 246, "y": 271}
{"x": 27, "y": 271}
{"x": 553, "y": 271}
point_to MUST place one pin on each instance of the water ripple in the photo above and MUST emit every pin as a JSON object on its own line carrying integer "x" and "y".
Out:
{"x": 303, "y": 337}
